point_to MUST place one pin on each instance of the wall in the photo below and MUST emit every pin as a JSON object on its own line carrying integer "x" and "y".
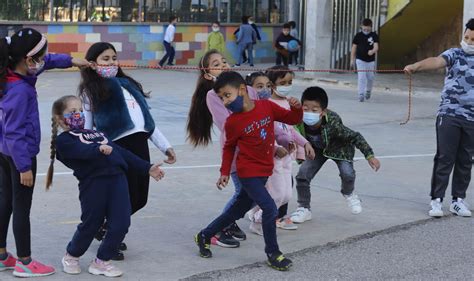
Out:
{"x": 141, "y": 44}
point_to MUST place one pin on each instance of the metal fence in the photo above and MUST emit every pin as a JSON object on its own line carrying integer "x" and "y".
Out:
{"x": 347, "y": 17}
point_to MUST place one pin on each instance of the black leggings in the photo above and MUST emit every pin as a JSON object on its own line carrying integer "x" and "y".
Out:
{"x": 15, "y": 199}
{"x": 138, "y": 184}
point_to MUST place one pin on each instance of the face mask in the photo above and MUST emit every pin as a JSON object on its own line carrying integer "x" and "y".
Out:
{"x": 283, "y": 91}
{"x": 311, "y": 118}
{"x": 365, "y": 32}
{"x": 264, "y": 94}
{"x": 468, "y": 49}
{"x": 237, "y": 105}
{"x": 74, "y": 120}
{"x": 35, "y": 69}
{"x": 107, "y": 71}
{"x": 250, "y": 22}
{"x": 215, "y": 29}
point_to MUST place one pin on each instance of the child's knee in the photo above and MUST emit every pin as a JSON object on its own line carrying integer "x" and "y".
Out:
{"x": 348, "y": 176}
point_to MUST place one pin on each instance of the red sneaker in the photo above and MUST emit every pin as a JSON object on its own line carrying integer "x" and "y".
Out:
{"x": 8, "y": 263}
{"x": 33, "y": 269}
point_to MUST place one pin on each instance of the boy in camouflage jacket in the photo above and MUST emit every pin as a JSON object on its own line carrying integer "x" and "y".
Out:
{"x": 324, "y": 129}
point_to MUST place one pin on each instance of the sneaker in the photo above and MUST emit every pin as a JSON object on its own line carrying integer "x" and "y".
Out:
{"x": 236, "y": 233}
{"x": 100, "y": 267}
{"x": 170, "y": 64}
{"x": 286, "y": 224}
{"x": 33, "y": 269}
{"x": 101, "y": 232}
{"x": 119, "y": 256}
{"x": 252, "y": 65}
{"x": 8, "y": 263}
{"x": 225, "y": 240}
{"x": 301, "y": 215}
{"x": 236, "y": 65}
{"x": 436, "y": 208}
{"x": 460, "y": 208}
{"x": 204, "y": 245}
{"x": 123, "y": 247}
{"x": 71, "y": 264}
{"x": 361, "y": 98}
{"x": 367, "y": 95}
{"x": 279, "y": 262}
{"x": 256, "y": 228}
{"x": 250, "y": 215}
{"x": 353, "y": 202}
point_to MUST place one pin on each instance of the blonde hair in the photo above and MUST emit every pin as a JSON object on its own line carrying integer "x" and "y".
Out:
{"x": 57, "y": 110}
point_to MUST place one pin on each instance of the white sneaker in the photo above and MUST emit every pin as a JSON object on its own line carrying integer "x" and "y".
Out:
{"x": 301, "y": 215}
{"x": 353, "y": 202}
{"x": 460, "y": 208}
{"x": 256, "y": 228}
{"x": 436, "y": 208}
{"x": 100, "y": 267}
{"x": 71, "y": 264}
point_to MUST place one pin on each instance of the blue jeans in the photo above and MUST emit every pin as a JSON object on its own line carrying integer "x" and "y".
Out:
{"x": 169, "y": 53}
{"x": 249, "y": 48}
{"x": 238, "y": 187}
{"x": 253, "y": 190}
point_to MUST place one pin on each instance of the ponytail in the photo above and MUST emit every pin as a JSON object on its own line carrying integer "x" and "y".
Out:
{"x": 199, "y": 124}
{"x": 54, "y": 134}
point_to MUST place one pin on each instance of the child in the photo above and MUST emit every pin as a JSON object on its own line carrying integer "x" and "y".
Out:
{"x": 251, "y": 21}
{"x": 245, "y": 40}
{"x": 454, "y": 124}
{"x": 365, "y": 46}
{"x": 206, "y": 109}
{"x": 167, "y": 41}
{"x": 331, "y": 140}
{"x": 215, "y": 40}
{"x": 100, "y": 167}
{"x": 22, "y": 58}
{"x": 293, "y": 54}
{"x": 250, "y": 128}
{"x": 281, "y": 45}
{"x": 115, "y": 104}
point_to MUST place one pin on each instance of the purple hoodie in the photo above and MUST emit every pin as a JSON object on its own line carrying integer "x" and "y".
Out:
{"x": 20, "y": 132}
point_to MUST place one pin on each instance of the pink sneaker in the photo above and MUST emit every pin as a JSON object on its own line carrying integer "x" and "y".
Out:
{"x": 34, "y": 269}
{"x": 8, "y": 263}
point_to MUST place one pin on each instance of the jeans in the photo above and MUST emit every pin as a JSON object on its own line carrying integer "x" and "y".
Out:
{"x": 238, "y": 187}
{"x": 249, "y": 48}
{"x": 309, "y": 168}
{"x": 253, "y": 190}
{"x": 169, "y": 53}
{"x": 455, "y": 149}
{"x": 365, "y": 78}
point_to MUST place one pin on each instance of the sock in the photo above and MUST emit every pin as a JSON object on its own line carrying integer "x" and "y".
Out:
{"x": 3, "y": 256}
{"x": 25, "y": 261}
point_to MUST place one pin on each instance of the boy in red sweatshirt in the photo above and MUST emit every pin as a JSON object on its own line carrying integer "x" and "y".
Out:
{"x": 250, "y": 128}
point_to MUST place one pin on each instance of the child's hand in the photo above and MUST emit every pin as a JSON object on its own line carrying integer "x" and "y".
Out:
{"x": 156, "y": 173}
{"x": 374, "y": 163}
{"x": 26, "y": 178}
{"x": 410, "y": 69}
{"x": 371, "y": 52}
{"x": 81, "y": 63}
{"x": 105, "y": 149}
{"x": 309, "y": 151}
{"x": 171, "y": 156}
{"x": 281, "y": 152}
{"x": 222, "y": 182}
{"x": 294, "y": 102}
{"x": 291, "y": 147}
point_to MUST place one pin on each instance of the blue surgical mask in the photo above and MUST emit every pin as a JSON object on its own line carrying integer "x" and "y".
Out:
{"x": 311, "y": 118}
{"x": 284, "y": 91}
{"x": 264, "y": 94}
{"x": 237, "y": 105}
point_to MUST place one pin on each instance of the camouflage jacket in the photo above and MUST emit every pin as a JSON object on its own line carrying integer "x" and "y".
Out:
{"x": 338, "y": 140}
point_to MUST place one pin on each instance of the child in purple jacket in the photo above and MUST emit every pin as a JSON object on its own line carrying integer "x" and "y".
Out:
{"x": 22, "y": 58}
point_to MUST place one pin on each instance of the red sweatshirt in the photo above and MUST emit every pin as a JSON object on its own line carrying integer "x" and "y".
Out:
{"x": 253, "y": 133}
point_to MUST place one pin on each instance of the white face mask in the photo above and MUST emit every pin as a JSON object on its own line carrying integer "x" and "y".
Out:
{"x": 215, "y": 29}
{"x": 284, "y": 91}
{"x": 250, "y": 22}
{"x": 468, "y": 49}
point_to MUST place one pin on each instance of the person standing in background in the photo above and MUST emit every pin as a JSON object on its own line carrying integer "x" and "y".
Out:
{"x": 168, "y": 40}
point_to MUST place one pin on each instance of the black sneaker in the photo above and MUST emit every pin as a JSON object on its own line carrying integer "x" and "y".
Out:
{"x": 236, "y": 233}
{"x": 204, "y": 245}
{"x": 123, "y": 246}
{"x": 279, "y": 262}
{"x": 101, "y": 232}
{"x": 118, "y": 257}
{"x": 225, "y": 240}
